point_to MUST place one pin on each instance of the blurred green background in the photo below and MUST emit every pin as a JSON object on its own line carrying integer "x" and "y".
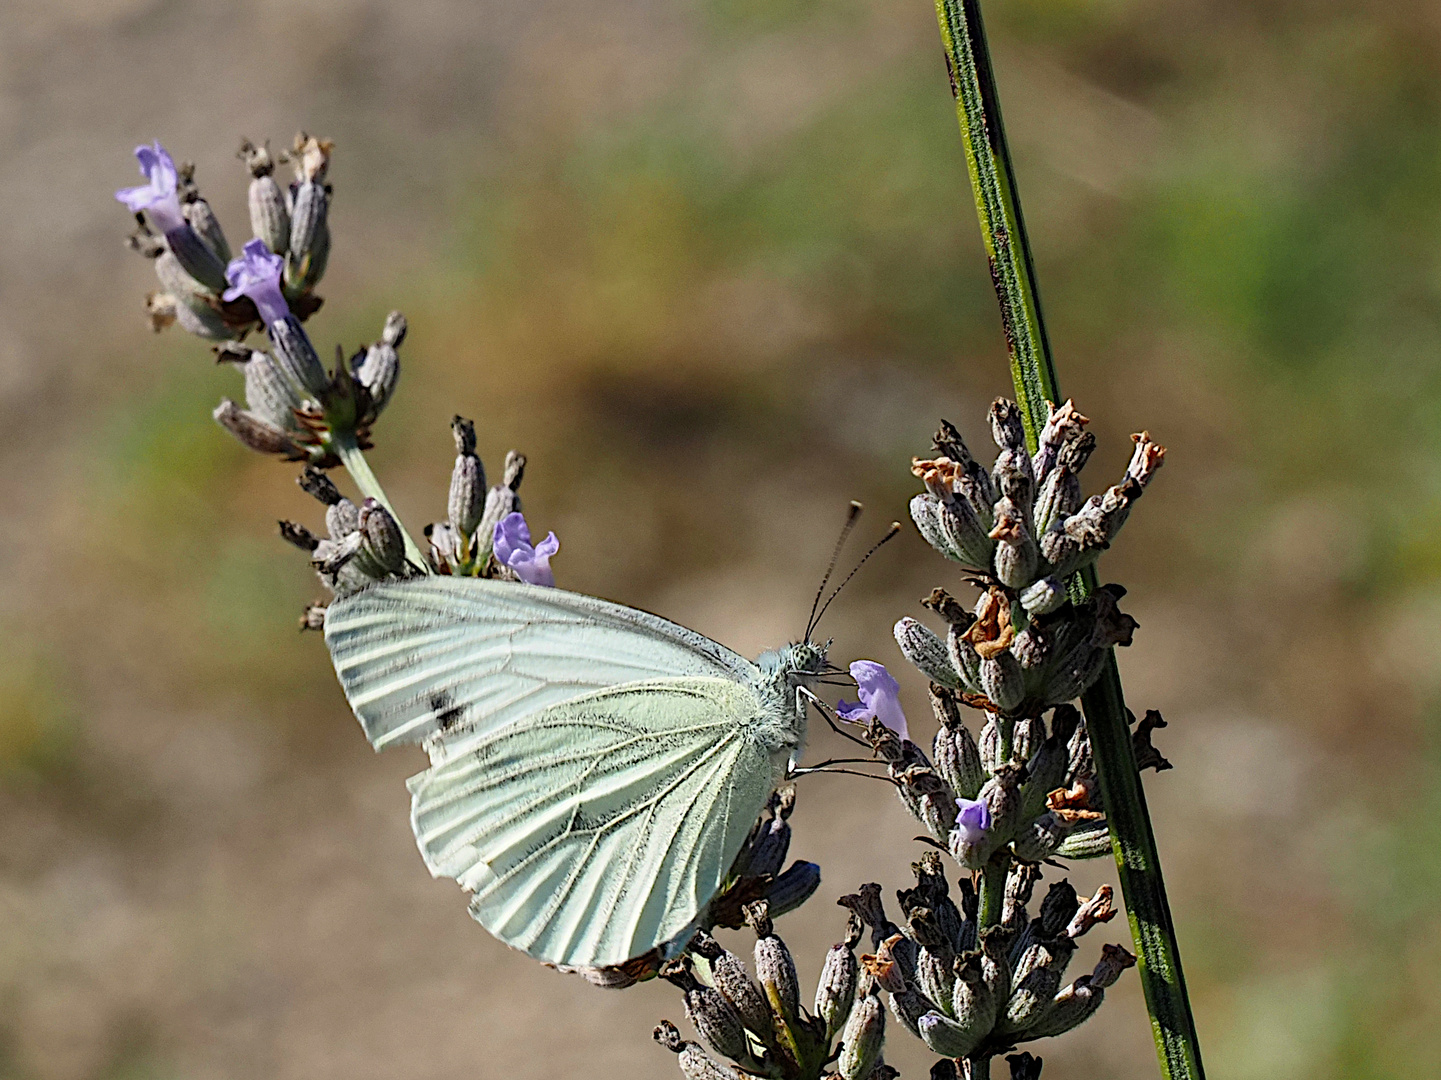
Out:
{"x": 712, "y": 265}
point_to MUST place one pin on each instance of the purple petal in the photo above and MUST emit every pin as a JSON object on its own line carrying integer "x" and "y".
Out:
{"x": 157, "y": 196}
{"x": 256, "y": 274}
{"x": 511, "y": 535}
{"x": 881, "y": 694}
{"x": 853, "y": 713}
{"x": 547, "y": 547}
{"x": 974, "y": 818}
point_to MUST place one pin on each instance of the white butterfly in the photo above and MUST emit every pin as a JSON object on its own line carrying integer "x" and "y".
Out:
{"x": 595, "y": 769}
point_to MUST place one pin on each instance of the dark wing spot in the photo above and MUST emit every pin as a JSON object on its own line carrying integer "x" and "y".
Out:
{"x": 447, "y": 712}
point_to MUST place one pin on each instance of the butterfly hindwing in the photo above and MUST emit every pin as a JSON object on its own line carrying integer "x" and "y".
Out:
{"x": 443, "y": 656}
{"x": 596, "y": 829}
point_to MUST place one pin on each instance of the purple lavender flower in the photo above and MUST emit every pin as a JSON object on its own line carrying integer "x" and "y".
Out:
{"x": 157, "y": 197}
{"x": 973, "y": 819}
{"x": 513, "y": 549}
{"x": 256, "y": 274}
{"x": 880, "y": 696}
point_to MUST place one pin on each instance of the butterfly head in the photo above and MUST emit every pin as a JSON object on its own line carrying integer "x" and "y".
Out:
{"x": 799, "y": 664}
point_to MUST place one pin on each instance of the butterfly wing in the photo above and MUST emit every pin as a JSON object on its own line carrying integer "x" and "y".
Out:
{"x": 450, "y": 657}
{"x": 597, "y": 829}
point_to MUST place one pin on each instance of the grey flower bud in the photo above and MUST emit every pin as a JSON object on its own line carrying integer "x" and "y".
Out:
{"x": 956, "y": 533}
{"x": 384, "y": 542}
{"x": 269, "y": 219}
{"x": 1031, "y": 997}
{"x": 947, "y": 1037}
{"x": 718, "y": 1022}
{"x": 255, "y": 432}
{"x": 936, "y": 977}
{"x": 1114, "y": 960}
{"x": 862, "y": 1038}
{"x": 775, "y": 968}
{"x": 1068, "y": 1009}
{"x": 972, "y": 1004}
{"x": 467, "y": 480}
{"x": 1089, "y": 840}
{"x": 307, "y": 223}
{"x": 945, "y": 1069}
{"x": 203, "y": 220}
{"x": 1006, "y": 426}
{"x": 1016, "y": 553}
{"x": 1026, "y": 738}
{"x": 956, "y": 757}
{"x": 1058, "y": 498}
{"x": 731, "y": 978}
{"x": 836, "y": 990}
{"x": 1044, "y": 596}
{"x": 924, "y": 648}
{"x": 342, "y": 518}
{"x": 196, "y": 258}
{"x": 1047, "y": 772}
{"x": 1003, "y": 681}
{"x": 964, "y": 658}
{"x": 694, "y": 1063}
{"x": 379, "y": 368}
{"x": 269, "y": 393}
{"x": 793, "y": 888}
{"x": 501, "y": 500}
{"x": 772, "y": 841}
{"x": 1040, "y": 837}
{"x": 194, "y": 305}
{"x": 297, "y": 357}
{"x": 1020, "y": 883}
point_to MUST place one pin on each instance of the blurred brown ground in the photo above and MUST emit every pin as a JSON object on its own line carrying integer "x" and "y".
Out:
{"x": 713, "y": 266}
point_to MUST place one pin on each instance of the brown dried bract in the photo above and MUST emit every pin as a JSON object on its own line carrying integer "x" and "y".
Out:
{"x": 992, "y": 632}
{"x": 1074, "y": 804}
{"x": 883, "y": 968}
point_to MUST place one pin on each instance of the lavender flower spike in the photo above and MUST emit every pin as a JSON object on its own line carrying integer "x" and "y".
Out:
{"x": 974, "y": 819}
{"x": 880, "y": 696}
{"x": 513, "y": 549}
{"x": 256, "y": 274}
{"x": 157, "y": 197}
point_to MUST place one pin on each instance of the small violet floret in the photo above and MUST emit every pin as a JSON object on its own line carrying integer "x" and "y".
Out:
{"x": 880, "y": 696}
{"x": 256, "y": 274}
{"x": 513, "y": 549}
{"x": 973, "y": 818}
{"x": 157, "y": 197}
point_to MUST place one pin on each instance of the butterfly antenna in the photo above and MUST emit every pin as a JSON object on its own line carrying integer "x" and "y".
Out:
{"x": 851, "y": 516}
{"x": 890, "y": 534}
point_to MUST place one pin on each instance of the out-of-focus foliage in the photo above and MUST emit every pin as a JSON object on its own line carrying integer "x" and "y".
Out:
{"x": 713, "y": 266}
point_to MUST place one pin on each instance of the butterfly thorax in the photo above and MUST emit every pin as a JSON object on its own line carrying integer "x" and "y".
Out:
{"x": 785, "y": 673}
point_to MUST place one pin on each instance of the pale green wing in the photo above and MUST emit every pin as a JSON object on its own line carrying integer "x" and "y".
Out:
{"x": 462, "y": 655}
{"x": 600, "y": 828}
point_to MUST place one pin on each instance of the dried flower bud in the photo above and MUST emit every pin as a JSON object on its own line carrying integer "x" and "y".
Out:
{"x": 1068, "y": 1009}
{"x": 728, "y": 972}
{"x": 269, "y": 219}
{"x": 1024, "y": 1066}
{"x": 1032, "y": 996}
{"x": 297, "y": 356}
{"x": 774, "y": 966}
{"x": 1003, "y": 681}
{"x": 718, "y": 1022}
{"x": 342, "y": 518}
{"x": 836, "y": 990}
{"x": 467, "y": 480}
{"x": 862, "y": 1038}
{"x": 378, "y": 369}
{"x": 384, "y": 542}
{"x": 309, "y": 209}
{"x": 694, "y": 1063}
{"x": 1058, "y": 908}
{"x": 772, "y": 841}
{"x": 501, "y": 501}
{"x": 203, "y": 220}
{"x": 1114, "y": 960}
{"x": 1006, "y": 426}
{"x": 1064, "y": 424}
{"x": 947, "y": 1037}
{"x": 1016, "y": 553}
{"x": 319, "y": 486}
{"x": 925, "y": 649}
{"x": 299, "y": 535}
{"x": 957, "y": 759}
{"x": 951, "y": 527}
{"x": 256, "y": 433}
{"x": 972, "y": 1004}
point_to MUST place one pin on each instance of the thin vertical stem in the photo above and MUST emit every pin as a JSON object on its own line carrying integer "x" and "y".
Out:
{"x": 354, "y": 461}
{"x": 993, "y": 888}
{"x": 1033, "y": 372}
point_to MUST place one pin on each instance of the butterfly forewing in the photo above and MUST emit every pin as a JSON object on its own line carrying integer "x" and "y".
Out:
{"x": 595, "y": 830}
{"x": 442, "y": 656}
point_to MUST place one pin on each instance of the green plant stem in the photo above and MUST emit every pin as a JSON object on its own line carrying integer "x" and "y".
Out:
{"x": 993, "y": 888}
{"x": 1033, "y": 372}
{"x": 355, "y": 464}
